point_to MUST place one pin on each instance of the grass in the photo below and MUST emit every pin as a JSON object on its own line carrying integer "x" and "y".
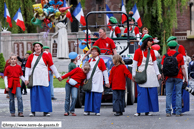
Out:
{"x": 56, "y": 83}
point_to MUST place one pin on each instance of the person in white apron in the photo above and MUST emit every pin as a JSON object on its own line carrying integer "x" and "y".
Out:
{"x": 147, "y": 100}
{"x": 185, "y": 94}
{"x": 115, "y": 30}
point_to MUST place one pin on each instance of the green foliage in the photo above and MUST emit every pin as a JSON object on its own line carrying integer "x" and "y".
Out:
{"x": 83, "y": 3}
{"x": 158, "y": 15}
{"x": 2, "y": 63}
{"x": 27, "y": 13}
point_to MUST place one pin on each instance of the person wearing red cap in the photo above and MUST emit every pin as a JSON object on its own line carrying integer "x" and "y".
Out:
{"x": 93, "y": 98}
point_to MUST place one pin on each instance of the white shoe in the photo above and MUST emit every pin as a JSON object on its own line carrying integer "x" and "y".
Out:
{"x": 48, "y": 115}
{"x": 86, "y": 113}
{"x": 137, "y": 114}
{"x": 148, "y": 114}
{"x": 31, "y": 115}
{"x": 97, "y": 114}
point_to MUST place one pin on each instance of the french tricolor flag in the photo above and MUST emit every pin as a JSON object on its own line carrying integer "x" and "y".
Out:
{"x": 136, "y": 15}
{"x": 124, "y": 18}
{"x": 7, "y": 15}
{"x": 19, "y": 20}
{"x": 79, "y": 15}
{"x": 108, "y": 17}
{"x": 68, "y": 14}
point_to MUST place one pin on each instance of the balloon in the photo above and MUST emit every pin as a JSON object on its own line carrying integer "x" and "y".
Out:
{"x": 82, "y": 44}
{"x": 63, "y": 9}
{"x": 37, "y": 22}
{"x": 52, "y": 2}
{"x": 51, "y": 9}
{"x": 46, "y": 11}
{"x": 156, "y": 47}
{"x": 50, "y": 25}
{"x": 72, "y": 55}
{"x": 37, "y": 6}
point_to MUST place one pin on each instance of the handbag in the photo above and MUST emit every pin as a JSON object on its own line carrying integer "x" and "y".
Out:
{"x": 88, "y": 83}
{"x": 30, "y": 84}
{"x": 141, "y": 77}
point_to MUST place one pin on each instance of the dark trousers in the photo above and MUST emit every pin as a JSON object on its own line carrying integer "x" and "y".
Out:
{"x": 119, "y": 101}
{"x": 23, "y": 87}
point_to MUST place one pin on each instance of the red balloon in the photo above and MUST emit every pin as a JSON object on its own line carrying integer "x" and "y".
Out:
{"x": 156, "y": 47}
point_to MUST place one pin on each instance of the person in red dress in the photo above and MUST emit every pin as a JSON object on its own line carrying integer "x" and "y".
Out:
{"x": 12, "y": 75}
{"x": 117, "y": 79}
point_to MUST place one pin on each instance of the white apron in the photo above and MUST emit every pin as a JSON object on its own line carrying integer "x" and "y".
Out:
{"x": 152, "y": 80}
{"x": 112, "y": 32}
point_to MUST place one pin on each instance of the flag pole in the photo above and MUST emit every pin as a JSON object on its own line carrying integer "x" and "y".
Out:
{"x": 4, "y": 12}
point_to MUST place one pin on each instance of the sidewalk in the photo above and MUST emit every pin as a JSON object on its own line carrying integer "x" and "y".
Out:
{"x": 56, "y": 90}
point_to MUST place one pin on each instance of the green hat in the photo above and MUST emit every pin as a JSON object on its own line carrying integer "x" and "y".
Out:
{"x": 171, "y": 38}
{"x": 46, "y": 47}
{"x": 37, "y": 43}
{"x": 146, "y": 36}
{"x": 132, "y": 18}
{"x": 172, "y": 44}
{"x": 96, "y": 47}
{"x": 113, "y": 20}
{"x": 29, "y": 52}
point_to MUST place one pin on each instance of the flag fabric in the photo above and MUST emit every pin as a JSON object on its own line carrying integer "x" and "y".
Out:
{"x": 164, "y": 48}
{"x": 136, "y": 15}
{"x": 124, "y": 18}
{"x": 79, "y": 15}
{"x": 7, "y": 15}
{"x": 108, "y": 17}
{"x": 19, "y": 19}
{"x": 68, "y": 14}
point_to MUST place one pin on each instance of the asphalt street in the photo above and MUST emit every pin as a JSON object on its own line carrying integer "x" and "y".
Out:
{"x": 107, "y": 120}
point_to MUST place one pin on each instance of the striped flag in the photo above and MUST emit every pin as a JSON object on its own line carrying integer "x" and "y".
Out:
{"x": 7, "y": 15}
{"x": 136, "y": 15}
{"x": 108, "y": 17}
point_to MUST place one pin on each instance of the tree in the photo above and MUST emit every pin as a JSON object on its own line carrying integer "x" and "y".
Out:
{"x": 27, "y": 13}
{"x": 158, "y": 15}
{"x": 2, "y": 63}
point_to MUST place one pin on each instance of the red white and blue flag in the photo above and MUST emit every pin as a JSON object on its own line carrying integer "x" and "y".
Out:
{"x": 124, "y": 18}
{"x": 68, "y": 14}
{"x": 79, "y": 15}
{"x": 136, "y": 15}
{"x": 108, "y": 17}
{"x": 7, "y": 15}
{"x": 19, "y": 20}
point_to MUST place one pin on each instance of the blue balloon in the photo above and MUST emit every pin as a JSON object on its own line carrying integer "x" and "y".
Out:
{"x": 51, "y": 9}
{"x": 50, "y": 25}
{"x": 140, "y": 43}
{"x": 72, "y": 55}
{"x": 82, "y": 46}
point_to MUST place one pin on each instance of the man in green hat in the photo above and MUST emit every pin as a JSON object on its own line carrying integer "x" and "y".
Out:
{"x": 115, "y": 30}
{"x": 132, "y": 28}
{"x": 185, "y": 94}
{"x": 47, "y": 50}
{"x": 173, "y": 76}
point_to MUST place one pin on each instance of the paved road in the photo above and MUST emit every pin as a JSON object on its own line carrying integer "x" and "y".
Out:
{"x": 107, "y": 120}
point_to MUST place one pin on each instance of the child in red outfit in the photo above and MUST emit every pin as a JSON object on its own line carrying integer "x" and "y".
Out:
{"x": 12, "y": 75}
{"x": 76, "y": 78}
{"x": 117, "y": 79}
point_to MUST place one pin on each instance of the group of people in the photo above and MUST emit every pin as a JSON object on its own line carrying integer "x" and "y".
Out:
{"x": 39, "y": 67}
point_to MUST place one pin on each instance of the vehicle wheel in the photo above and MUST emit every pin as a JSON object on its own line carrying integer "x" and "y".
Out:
{"x": 130, "y": 90}
{"x": 80, "y": 99}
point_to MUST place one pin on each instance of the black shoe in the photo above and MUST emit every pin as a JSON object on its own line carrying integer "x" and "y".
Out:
{"x": 121, "y": 113}
{"x": 117, "y": 114}
{"x": 53, "y": 98}
{"x": 25, "y": 93}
